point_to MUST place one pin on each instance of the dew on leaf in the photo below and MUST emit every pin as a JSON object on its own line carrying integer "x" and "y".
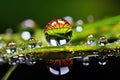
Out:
{"x": 58, "y": 32}
{"x": 27, "y": 28}
{"x": 102, "y": 41}
{"x": 69, "y": 19}
{"x": 13, "y": 60}
{"x": 39, "y": 43}
{"x": 11, "y": 47}
{"x": 90, "y": 39}
{"x": 32, "y": 43}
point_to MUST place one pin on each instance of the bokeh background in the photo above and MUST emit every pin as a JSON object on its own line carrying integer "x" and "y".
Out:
{"x": 12, "y": 12}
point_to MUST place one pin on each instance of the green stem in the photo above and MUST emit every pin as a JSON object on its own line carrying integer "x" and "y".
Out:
{"x": 8, "y": 73}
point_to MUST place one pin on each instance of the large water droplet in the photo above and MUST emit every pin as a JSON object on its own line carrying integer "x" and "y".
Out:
{"x": 102, "y": 41}
{"x": 59, "y": 66}
{"x": 58, "y": 32}
{"x": 11, "y": 47}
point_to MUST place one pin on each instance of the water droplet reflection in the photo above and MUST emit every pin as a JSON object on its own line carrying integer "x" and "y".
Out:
{"x": 59, "y": 66}
{"x": 58, "y": 32}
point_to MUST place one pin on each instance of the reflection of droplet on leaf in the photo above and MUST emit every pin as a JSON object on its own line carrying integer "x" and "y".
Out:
{"x": 59, "y": 66}
{"x": 58, "y": 32}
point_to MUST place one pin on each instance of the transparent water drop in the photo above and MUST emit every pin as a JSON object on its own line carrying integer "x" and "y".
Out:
{"x": 69, "y": 19}
{"x": 79, "y": 28}
{"x": 59, "y": 66}
{"x": 102, "y": 60}
{"x": 11, "y": 47}
{"x": 102, "y": 41}
{"x": 27, "y": 29}
{"x": 21, "y": 47}
{"x": 86, "y": 61}
{"x": 30, "y": 60}
{"x": 32, "y": 43}
{"x": 9, "y": 31}
{"x": 58, "y": 32}
{"x": 79, "y": 22}
{"x": 2, "y": 42}
{"x": 39, "y": 43}
{"x": 90, "y": 39}
{"x": 90, "y": 18}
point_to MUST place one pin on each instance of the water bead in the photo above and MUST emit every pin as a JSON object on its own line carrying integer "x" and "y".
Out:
{"x": 102, "y": 41}
{"x": 69, "y": 19}
{"x": 58, "y": 32}
{"x": 11, "y": 47}
{"x": 39, "y": 43}
{"x": 59, "y": 66}
{"x": 32, "y": 43}
{"x": 90, "y": 39}
{"x": 27, "y": 28}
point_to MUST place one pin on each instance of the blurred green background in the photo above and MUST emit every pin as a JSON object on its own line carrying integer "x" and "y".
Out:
{"x": 12, "y": 12}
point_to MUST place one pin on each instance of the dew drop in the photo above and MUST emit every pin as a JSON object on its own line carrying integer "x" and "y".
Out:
{"x": 102, "y": 41}
{"x": 58, "y": 32}
{"x": 32, "y": 43}
{"x": 69, "y": 19}
{"x": 90, "y": 39}
{"x": 59, "y": 66}
{"x": 11, "y": 47}
{"x": 27, "y": 29}
{"x": 39, "y": 43}
{"x": 79, "y": 22}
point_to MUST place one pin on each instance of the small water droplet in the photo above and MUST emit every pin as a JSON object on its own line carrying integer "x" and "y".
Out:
{"x": 27, "y": 29}
{"x": 69, "y": 19}
{"x": 90, "y": 39}
{"x": 9, "y": 31}
{"x": 90, "y": 18}
{"x": 32, "y": 43}
{"x": 102, "y": 60}
{"x": 39, "y": 43}
{"x": 102, "y": 41}
{"x": 59, "y": 66}
{"x": 58, "y": 32}
{"x": 79, "y": 22}
{"x": 11, "y": 47}
{"x": 79, "y": 28}
{"x": 21, "y": 47}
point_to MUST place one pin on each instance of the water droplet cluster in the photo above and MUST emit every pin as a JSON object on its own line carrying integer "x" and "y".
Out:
{"x": 57, "y": 32}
